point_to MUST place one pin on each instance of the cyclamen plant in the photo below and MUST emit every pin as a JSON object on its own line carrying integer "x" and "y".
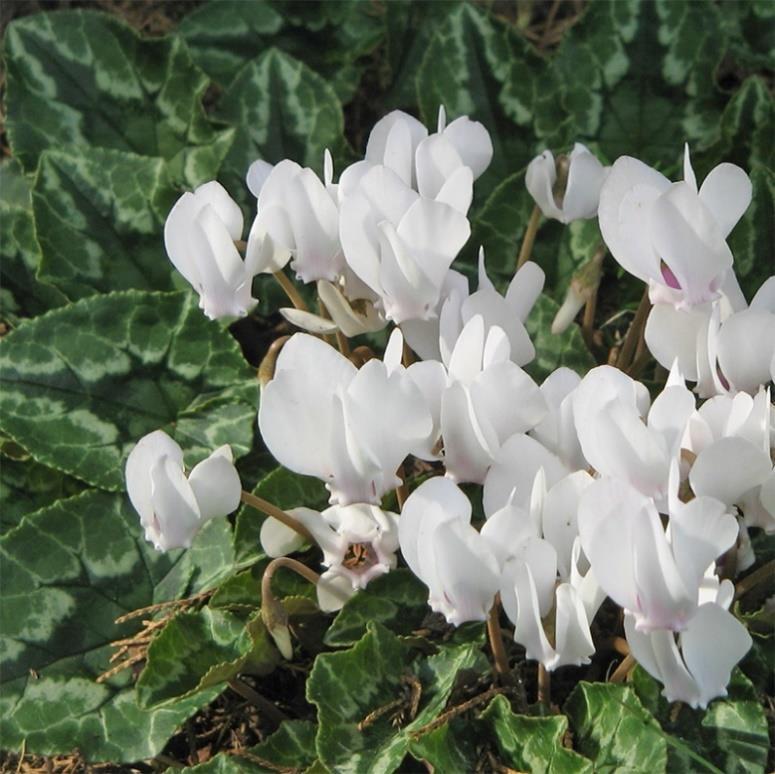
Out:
{"x": 590, "y": 489}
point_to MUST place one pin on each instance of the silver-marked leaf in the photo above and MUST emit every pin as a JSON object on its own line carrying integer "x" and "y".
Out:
{"x": 81, "y": 385}
{"x": 531, "y": 743}
{"x": 453, "y": 746}
{"x": 85, "y": 78}
{"x": 397, "y": 600}
{"x": 69, "y": 571}
{"x": 99, "y": 216}
{"x": 477, "y": 65}
{"x": 200, "y": 649}
{"x": 291, "y": 747}
{"x": 22, "y": 294}
{"x": 731, "y": 734}
{"x": 281, "y": 109}
{"x": 328, "y": 37}
{"x": 591, "y": 59}
{"x": 347, "y": 686}
{"x": 26, "y": 486}
{"x": 612, "y": 728}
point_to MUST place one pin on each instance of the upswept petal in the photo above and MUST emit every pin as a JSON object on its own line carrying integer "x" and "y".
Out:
{"x": 673, "y": 334}
{"x": 687, "y": 238}
{"x": 436, "y": 161}
{"x": 472, "y": 141}
{"x": 146, "y": 452}
{"x": 746, "y": 346}
{"x": 713, "y": 475}
{"x": 712, "y": 644}
{"x": 582, "y": 192}
{"x": 540, "y": 178}
{"x": 226, "y": 209}
{"x": 629, "y": 191}
{"x": 514, "y": 469}
{"x": 175, "y": 508}
{"x": 573, "y": 639}
{"x": 256, "y": 176}
{"x": 216, "y": 484}
{"x": 726, "y": 192}
{"x": 525, "y": 288}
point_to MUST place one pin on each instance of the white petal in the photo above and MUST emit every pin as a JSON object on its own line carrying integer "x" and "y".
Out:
{"x": 515, "y": 467}
{"x": 350, "y": 322}
{"x": 582, "y": 193}
{"x": 174, "y": 505}
{"x": 540, "y": 178}
{"x": 279, "y": 540}
{"x": 141, "y": 460}
{"x": 436, "y": 160}
{"x": 375, "y": 148}
{"x": 333, "y": 591}
{"x": 712, "y": 645}
{"x": 525, "y": 288}
{"x": 559, "y": 517}
{"x": 673, "y": 334}
{"x": 466, "y": 360}
{"x": 216, "y": 484}
{"x": 572, "y": 636}
{"x": 307, "y": 321}
{"x": 457, "y": 190}
{"x": 228, "y": 211}
{"x": 528, "y": 629}
{"x": 626, "y": 198}
{"x": 472, "y": 141}
{"x": 764, "y": 300}
{"x": 258, "y": 172}
{"x": 746, "y": 345}
{"x": 728, "y": 468}
{"x": 296, "y": 407}
{"x": 688, "y": 240}
{"x": 726, "y": 192}
{"x": 469, "y": 444}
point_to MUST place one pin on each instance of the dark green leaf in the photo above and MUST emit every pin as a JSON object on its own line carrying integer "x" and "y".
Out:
{"x": 85, "y": 78}
{"x": 22, "y": 294}
{"x": 99, "y": 216}
{"x": 612, "y": 728}
{"x": 281, "y": 109}
{"x": 530, "y": 743}
{"x": 731, "y": 735}
{"x": 347, "y": 686}
{"x": 69, "y": 571}
{"x": 83, "y": 384}
{"x": 397, "y": 600}
{"x": 200, "y": 649}
{"x": 26, "y": 486}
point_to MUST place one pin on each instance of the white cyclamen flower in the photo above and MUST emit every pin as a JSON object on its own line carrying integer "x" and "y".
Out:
{"x": 608, "y": 410}
{"x": 322, "y": 417}
{"x": 199, "y": 236}
{"x": 442, "y": 166}
{"x": 359, "y": 543}
{"x": 489, "y": 399}
{"x": 696, "y": 668}
{"x": 400, "y": 244}
{"x": 582, "y": 190}
{"x": 446, "y": 553}
{"x": 672, "y": 235}
{"x": 655, "y": 576}
{"x": 174, "y": 508}
{"x": 435, "y": 338}
{"x": 297, "y": 218}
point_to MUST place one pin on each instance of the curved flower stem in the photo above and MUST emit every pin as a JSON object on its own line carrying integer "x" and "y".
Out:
{"x": 634, "y": 333}
{"x": 628, "y": 662}
{"x": 544, "y": 686}
{"x": 267, "y": 365}
{"x": 765, "y": 572}
{"x": 343, "y": 344}
{"x": 257, "y": 700}
{"x": 401, "y": 490}
{"x": 495, "y": 636}
{"x": 265, "y": 507}
{"x": 530, "y": 237}
{"x": 273, "y": 614}
{"x": 290, "y": 290}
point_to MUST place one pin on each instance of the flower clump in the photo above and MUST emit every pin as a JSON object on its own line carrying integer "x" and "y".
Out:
{"x": 590, "y": 489}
